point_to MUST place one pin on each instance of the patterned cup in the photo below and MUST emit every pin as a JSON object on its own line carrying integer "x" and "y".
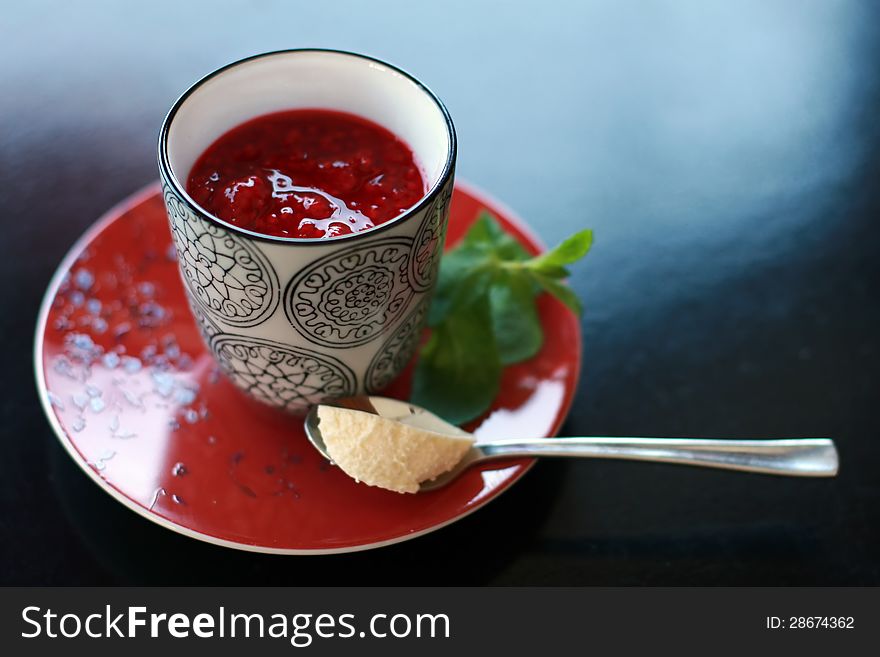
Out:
{"x": 295, "y": 321}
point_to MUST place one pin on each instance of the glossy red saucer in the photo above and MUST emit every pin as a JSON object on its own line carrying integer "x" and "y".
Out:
{"x": 138, "y": 403}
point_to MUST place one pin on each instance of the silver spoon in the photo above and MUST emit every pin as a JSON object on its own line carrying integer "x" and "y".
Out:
{"x": 799, "y": 457}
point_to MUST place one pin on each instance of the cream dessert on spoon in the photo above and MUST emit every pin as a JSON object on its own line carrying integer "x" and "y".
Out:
{"x": 397, "y": 453}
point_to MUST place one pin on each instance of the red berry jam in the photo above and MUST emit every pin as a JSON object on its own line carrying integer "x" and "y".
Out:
{"x": 309, "y": 173}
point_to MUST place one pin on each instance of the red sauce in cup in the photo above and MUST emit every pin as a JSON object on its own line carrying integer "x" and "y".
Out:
{"x": 309, "y": 173}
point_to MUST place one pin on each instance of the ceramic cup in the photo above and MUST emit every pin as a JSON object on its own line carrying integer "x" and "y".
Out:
{"x": 295, "y": 321}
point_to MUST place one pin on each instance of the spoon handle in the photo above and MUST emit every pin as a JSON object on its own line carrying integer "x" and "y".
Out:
{"x": 800, "y": 457}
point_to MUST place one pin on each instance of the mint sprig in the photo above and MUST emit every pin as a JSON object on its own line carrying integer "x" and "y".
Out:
{"x": 483, "y": 316}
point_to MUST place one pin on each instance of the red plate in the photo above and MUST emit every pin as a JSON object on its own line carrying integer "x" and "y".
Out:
{"x": 138, "y": 403}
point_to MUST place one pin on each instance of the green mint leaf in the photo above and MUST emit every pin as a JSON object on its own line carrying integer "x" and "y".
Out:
{"x": 483, "y": 316}
{"x": 566, "y": 252}
{"x": 515, "y": 322}
{"x": 487, "y": 235}
{"x": 468, "y": 268}
{"x": 484, "y": 231}
{"x": 561, "y": 291}
{"x": 548, "y": 269}
{"x": 456, "y": 266}
{"x": 458, "y": 373}
{"x": 461, "y": 288}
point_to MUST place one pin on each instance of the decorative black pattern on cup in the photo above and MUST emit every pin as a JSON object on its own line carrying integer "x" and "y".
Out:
{"x": 397, "y": 350}
{"x": 289, "y": 377}
{"x": 206, "y": 325}
{"x": 229, "y": 277}
{"x": 428, "y": 245}
{"x": 351, "y": 296}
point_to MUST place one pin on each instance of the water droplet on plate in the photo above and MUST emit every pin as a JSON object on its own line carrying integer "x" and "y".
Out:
{"x": 84, "y": 279}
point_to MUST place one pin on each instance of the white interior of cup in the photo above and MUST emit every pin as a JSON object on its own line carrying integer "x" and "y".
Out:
{"x": 310, "y": 79}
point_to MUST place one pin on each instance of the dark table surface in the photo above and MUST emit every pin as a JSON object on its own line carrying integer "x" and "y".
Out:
{"x": 727, "y": 156}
